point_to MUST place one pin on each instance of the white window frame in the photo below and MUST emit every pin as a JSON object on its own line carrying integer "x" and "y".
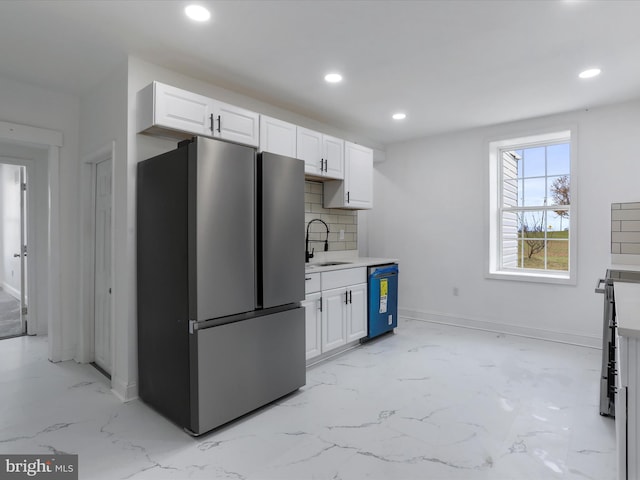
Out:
{"x": 494, "y": 259}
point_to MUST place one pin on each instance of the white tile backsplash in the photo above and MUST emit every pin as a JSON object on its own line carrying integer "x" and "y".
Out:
{"x": 337, "y": 219}
{"x": 625, "y": 232}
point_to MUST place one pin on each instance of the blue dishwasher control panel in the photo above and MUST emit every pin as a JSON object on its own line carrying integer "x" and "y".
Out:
{"x": 383, "y": 299}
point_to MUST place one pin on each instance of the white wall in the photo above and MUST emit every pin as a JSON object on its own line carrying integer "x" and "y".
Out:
{"x": 34, "y": 106}
{"x": 430, "y": 210}
{"x": 103, "y": 123}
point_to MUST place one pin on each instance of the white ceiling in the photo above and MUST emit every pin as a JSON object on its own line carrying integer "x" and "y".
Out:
{"x": 448, "y": 64}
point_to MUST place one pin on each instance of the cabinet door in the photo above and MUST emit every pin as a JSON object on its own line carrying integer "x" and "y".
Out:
{"x": 309, "y": 149}
{"x": 333, "y": 319}
{"x": 358, "y": 176}
{"x": 277, "y": 136}
{"x": 333, "y": 155}
{"x": 357, "y": 312}
{"x": 236, "y": 124}
{"x": 182, "y": 110}
{"x": 313, "y": 324}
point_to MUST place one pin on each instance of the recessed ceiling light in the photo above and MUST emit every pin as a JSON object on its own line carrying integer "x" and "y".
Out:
{"x": 399, "y": 116}
{"x": 197, "y": 13}
{"x": 333, "y": 77}
{"x": 590, "y": 73}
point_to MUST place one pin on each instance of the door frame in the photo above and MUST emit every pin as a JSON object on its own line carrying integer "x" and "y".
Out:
{"x": 86, "y": 347}
{"x": 31, "y": 269}
{"x": 51, "y": 142}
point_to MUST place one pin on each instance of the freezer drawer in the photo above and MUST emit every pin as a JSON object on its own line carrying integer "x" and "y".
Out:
{"x": 241, "y": 366}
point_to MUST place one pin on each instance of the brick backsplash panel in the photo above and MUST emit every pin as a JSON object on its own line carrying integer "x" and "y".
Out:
{"x": 337, "y": 220}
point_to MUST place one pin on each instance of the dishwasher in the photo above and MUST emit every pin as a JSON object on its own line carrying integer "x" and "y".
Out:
{"x": 383, "y": 300}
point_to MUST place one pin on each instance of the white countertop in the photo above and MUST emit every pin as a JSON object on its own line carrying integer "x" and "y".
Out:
{"x": 350, "y": 262}
{"x": 627, "y": 296}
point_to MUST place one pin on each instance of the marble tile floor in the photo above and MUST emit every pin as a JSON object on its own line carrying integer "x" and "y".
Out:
{"x": 430, "y": 402}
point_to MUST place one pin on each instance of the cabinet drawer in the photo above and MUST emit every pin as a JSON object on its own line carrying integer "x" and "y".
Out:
{"x": 343, "y": 278}
{"x": 311, "y": 283}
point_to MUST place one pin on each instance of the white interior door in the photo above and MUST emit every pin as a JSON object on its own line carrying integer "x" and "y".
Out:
{"x": 102, "y": 286}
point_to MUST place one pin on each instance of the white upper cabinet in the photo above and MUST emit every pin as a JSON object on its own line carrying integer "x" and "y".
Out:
{"x": 333, "y": 155}
{"x": 277, "y": 136}
{"x": 323, "y": 155}
{"x": 163, "y": 109}
{"x": 309, "y": 149}
{"x": 170, "y": 111}
{"x": 236, "y": 124}
{"x": 356, "y": 191}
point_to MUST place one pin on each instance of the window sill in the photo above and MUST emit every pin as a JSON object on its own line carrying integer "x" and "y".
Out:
{"x": 546, "y": 277}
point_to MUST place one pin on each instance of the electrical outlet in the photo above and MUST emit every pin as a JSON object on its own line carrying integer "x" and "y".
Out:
{"x": 341, "y": 234}
{"x": 455, "y": 291}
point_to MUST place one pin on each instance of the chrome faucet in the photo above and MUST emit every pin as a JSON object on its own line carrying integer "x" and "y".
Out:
{"x": 309, "y": 255}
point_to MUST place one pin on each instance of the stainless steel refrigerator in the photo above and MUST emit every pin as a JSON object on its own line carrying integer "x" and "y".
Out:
{"x": 220, "y": 277}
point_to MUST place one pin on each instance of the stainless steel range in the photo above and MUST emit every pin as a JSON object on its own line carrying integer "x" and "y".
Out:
{"x": 608, "y": 378}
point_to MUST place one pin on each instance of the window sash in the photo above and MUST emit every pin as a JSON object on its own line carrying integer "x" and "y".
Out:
{"x": 510, "y": 200}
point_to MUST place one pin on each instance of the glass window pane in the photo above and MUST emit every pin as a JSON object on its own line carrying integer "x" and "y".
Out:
{"x": 558, "y": 159}
{"x": 509, "y": 165}
{"x": 531, "y": 253}
{"x": 559, "y": 190}
{"x": 533, "y": 192}
{"x": 510, "y": 193}
{"x": 518, "y": 155}
{"x": 509, "y": 239}
{"x": 532, "y": 224}
{"x": 534, "y": 162}
{"x": 558, "y": 255}
{"x": 558, "y": 224}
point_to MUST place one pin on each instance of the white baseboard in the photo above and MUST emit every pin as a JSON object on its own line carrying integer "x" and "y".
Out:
{"x": 509, "y": 329}
{"x": 125, "y": 392}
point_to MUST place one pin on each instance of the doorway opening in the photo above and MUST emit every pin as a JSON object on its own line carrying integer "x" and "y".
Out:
{"x": 13, "y": 249}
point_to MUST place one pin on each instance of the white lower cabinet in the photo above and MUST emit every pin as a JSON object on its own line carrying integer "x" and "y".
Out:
{"x": 313, "y": 324}
{"x": 628, "y": 407}
{"x": 342, "y": 317}
{"x": 357, "y": 312}
{"x": 334, "y": 315}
